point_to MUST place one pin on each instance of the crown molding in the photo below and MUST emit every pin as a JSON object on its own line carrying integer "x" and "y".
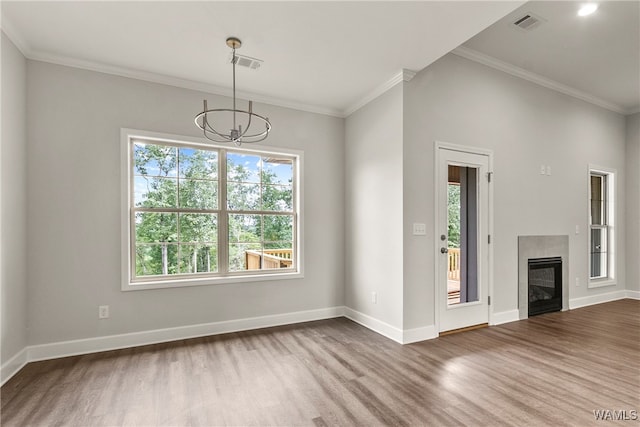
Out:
{"x": 492, "y": 62}
{"x": 178, "y": 82}
{"x": 403, "y": 75}
{"x": 7, "y": 27}
{"x": 14, "y": 35}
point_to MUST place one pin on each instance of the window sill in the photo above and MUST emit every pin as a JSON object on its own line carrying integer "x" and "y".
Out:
{"x": 601, "y": 283}
{"x": 205, "y": 281}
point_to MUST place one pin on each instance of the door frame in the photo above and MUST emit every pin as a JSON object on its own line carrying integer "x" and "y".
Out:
{"x": 438, "y": 145}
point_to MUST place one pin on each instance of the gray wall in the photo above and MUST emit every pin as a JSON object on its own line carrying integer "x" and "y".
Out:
{"x": 633, "y": 202}
{"x": 462, "y": 102}
{"x": 377, "y": 183}
{"x": 373, "y": 208}
{"x": 74, "y": 208}
{"x": 14, "y": 188}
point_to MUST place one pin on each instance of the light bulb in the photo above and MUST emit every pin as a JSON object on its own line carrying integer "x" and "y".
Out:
{"x": 588, "y": 9}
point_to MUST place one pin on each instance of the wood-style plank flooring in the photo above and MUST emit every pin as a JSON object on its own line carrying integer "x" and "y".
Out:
{"x": 553, "y": 369}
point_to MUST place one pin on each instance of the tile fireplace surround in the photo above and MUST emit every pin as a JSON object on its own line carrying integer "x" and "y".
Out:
{"x": 530, "y": 247}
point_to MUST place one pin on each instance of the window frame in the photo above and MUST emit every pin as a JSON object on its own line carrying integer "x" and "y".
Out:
{"x": 223, "y": 276}
{"x": 609, "y": 214}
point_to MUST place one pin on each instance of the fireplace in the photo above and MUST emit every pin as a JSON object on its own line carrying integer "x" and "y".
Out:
{"x": 536, "y": 248}
{"x": 544, "y": 285}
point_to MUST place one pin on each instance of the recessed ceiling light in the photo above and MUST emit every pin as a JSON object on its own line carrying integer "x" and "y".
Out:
{"x": 588, "y": 9}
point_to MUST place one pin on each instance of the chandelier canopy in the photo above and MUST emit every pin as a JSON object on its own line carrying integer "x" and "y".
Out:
{"x": 242, "y": 119}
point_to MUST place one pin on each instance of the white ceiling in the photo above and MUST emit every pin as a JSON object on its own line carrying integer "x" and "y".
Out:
{"x": 322, "y": 56}
{"x": 331, "y": 56}
{"x": 597, "y": 54}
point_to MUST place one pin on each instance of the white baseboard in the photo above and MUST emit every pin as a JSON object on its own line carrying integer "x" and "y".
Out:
{"x": 113, "y": 342}
{"x": 406, "y": 336}
{"x": 13, "y": 365}
{"x": 633, "y": 294}
{"x": 596, "y": 299}
{"x": 374, "y": 324}
{"x": 419, "y": 334}
{"x": 505, "y": 317}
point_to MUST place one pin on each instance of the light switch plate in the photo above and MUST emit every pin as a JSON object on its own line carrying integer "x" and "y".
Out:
{"x": 419, "y": 229}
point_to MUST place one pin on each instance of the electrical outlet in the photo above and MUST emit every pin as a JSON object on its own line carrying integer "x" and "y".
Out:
{"x": 548, "y": 170}
{"x": 374, "y": 297}
{"x": 103, "y": 312}
{"x": 543, "y": 169}
{"x": 577, "y": 281}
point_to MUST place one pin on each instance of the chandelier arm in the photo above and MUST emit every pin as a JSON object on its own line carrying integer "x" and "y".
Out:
{"x": 249, "y": 122}
{"x": 204, "y": 118}
{"x": 205, "y": 126}
{"x": 267, "y": 126}
{"x": 207, "y": 129}
{"x": 256, "y": 135}
{"x": 263, "y": 134}
{"x": 212, "y": 130}
{"x": 205, "y": 122}
{"x": 204, "y": 133}
{"x": 209, "y": 134}
{"x": 248, "y": 126}
{"x": 254, "y": 138}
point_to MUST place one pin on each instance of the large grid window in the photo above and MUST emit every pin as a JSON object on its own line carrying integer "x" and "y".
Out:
{"x": 601, "y": 220}
{"x": 199, "y": 213}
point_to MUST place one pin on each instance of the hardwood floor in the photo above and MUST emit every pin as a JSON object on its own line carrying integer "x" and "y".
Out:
{"x": 553, "y": 369}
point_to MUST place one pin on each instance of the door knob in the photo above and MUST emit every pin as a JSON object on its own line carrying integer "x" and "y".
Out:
{"x": 444, "y": 250}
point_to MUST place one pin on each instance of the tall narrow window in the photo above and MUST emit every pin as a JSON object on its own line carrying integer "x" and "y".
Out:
{"x": 199, "y": 213}
{"x": 601, "y": 217}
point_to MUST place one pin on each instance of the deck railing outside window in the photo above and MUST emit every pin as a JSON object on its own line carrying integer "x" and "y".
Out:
{"x": 269, "y": 258}
{"x": 454, "y": 264}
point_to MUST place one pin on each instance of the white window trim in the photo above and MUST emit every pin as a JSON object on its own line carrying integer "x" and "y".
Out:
{"x": 125, "y": 185}
{"x": 612, "y": 214}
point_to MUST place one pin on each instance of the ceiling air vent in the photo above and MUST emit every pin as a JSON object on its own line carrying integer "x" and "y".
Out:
{"x": 528, "y": 22}
{"x": 246, "y": 61}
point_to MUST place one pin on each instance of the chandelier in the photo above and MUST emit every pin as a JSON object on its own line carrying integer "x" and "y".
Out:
{"x": 239, "y": 133}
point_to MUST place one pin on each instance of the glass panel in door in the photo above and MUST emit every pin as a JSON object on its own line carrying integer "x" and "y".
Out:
{"x": 462, "y": 228}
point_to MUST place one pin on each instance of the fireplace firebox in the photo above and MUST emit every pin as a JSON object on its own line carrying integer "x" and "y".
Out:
{"x": 545, "y": 285}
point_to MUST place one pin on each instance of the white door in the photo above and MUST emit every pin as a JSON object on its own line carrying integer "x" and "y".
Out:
{"x": 462, "y": 294}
